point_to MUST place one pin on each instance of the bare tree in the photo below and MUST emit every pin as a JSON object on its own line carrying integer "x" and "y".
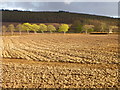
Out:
{"x": 19, "y": 28}
{"x": 4, "y": 29}
{"x": 11, "y": 28}
{"x": 51, "y": 28}
{"x": 111, "y": 28}
{"x": 87, "y": 27}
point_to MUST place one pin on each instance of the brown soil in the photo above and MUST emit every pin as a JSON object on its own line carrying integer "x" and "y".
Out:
{"x": 60, "y": 61}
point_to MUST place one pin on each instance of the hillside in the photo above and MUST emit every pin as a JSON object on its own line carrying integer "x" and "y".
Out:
{"x": 53, "y": 17}
{"x": 56, "y": 18}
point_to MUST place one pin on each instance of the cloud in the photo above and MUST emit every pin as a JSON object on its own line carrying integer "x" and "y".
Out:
{"x": 68, "y": 1}
{"x": 98, "y": 8}
{"x": 58, "y": 0}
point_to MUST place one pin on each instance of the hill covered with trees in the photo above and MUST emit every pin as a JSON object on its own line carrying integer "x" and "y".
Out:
{"x": 76, "y": 19}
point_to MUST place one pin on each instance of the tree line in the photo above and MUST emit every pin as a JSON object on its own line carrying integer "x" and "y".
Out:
{"x": 27, "y": 27}
{"x": 76, "y": 27}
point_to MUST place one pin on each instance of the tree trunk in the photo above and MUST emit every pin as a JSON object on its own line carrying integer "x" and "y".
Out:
{"x": 35, "y": 32}
{"x": 3, "y": 33}
{"x": 42, "y": 31}
{"x": 20, "y": 32}
{"x": 86, "y": 31}
{"x": 27, "y": 31}
{"x": 110, "y": 31}
{"x": 11, "y": 32}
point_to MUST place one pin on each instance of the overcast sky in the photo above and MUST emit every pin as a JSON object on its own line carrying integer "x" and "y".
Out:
{"x": 97, "y": 8}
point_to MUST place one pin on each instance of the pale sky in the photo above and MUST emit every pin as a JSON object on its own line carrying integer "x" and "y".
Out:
{"x": 97, "y": 8}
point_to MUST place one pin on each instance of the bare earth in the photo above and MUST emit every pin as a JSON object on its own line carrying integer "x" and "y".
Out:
{"x": 60, "y": 61}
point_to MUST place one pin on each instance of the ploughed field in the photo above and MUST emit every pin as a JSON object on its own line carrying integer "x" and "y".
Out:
{"x": 62, "y": 48}
{"x": 60, "y": 61}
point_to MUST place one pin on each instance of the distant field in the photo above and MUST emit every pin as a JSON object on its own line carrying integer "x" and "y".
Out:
{"x": 60, "y": 61}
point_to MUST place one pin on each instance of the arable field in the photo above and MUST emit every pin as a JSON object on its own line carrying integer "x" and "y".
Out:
{"x": 60, "y": 61}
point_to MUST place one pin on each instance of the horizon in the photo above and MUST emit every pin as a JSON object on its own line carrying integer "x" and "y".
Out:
{"x": 108, "y": 9}
{"x": 59, "y": 11}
